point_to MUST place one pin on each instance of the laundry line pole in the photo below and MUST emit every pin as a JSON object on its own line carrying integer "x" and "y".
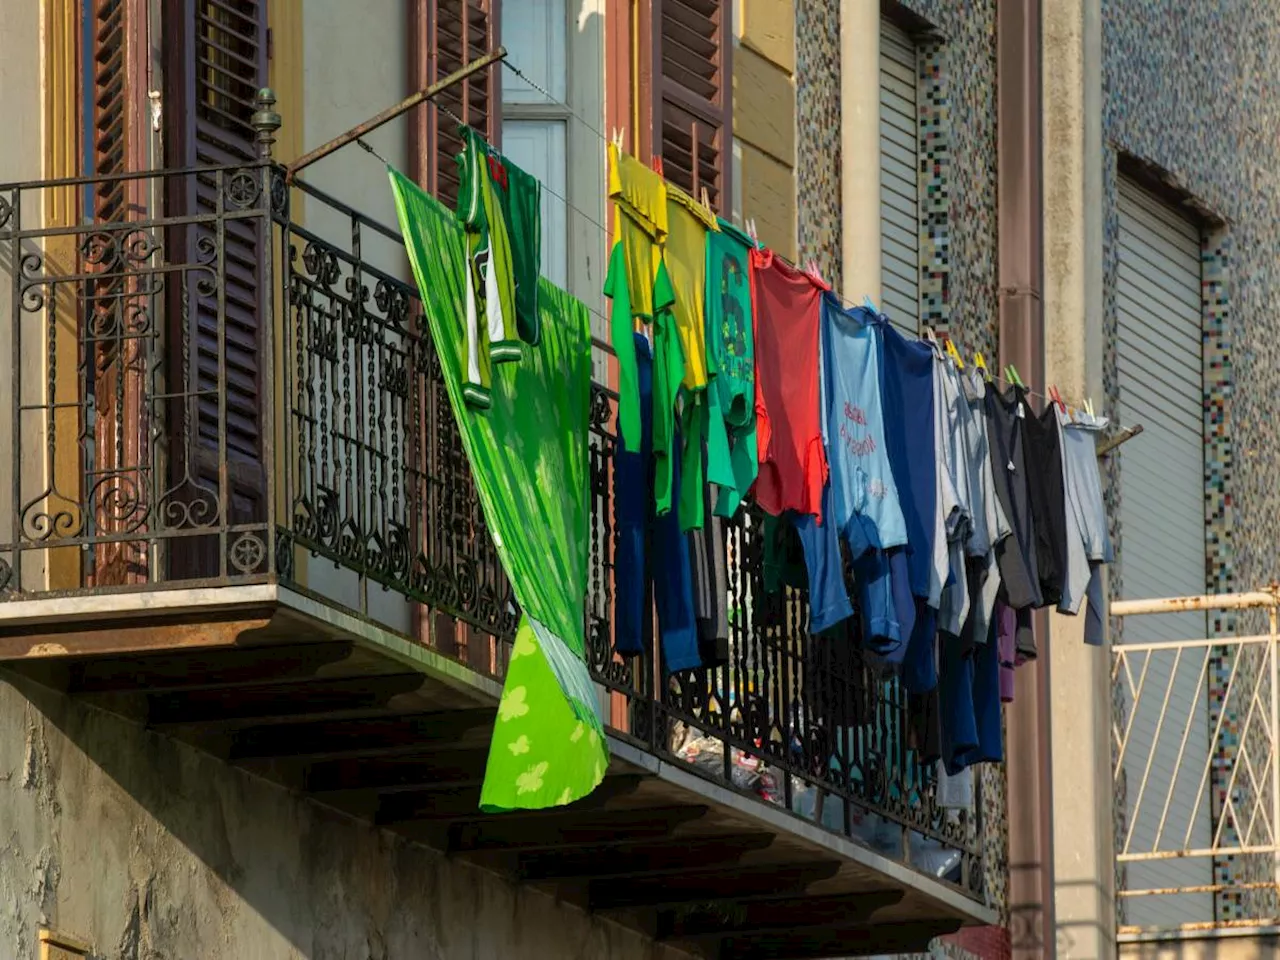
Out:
{"x": 408, "y": 103}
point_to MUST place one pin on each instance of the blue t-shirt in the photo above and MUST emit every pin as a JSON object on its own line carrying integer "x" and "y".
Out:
{"x": 865, "y": 495}
{"x": 907, "y": 380}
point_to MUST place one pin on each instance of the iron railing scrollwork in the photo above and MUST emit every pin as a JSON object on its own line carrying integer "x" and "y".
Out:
{"x": 128, "y": 359}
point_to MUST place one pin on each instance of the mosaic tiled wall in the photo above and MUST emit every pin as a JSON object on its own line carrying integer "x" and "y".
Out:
{"x": 956, "y": 95}
{"x": 1197, "y": 96}
{"x": 958, "y": 122}
{"x": 935, "y": 185}
{"x": 957, "y": 103}
{"x": 818, "y": 140}
{"x": 1179, "y": 96}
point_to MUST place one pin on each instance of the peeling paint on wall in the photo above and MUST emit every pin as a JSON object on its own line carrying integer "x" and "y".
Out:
{"x": 150, "y": 850}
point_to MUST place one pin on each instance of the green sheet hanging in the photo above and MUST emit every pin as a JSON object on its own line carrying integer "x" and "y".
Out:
{"x": 528, "y": 454}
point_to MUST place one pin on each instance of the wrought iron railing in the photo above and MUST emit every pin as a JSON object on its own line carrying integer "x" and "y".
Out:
{"x": 240, "y": 388}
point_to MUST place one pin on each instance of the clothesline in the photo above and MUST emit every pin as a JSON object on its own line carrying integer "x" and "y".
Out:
{"x": 962, "y": 510}
{"x": 582, "y": 213}
{"x": 1121, "y": 435}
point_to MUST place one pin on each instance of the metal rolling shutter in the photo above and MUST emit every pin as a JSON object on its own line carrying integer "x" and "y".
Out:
{"x": 1161, "y": 386}
{"x": 899, "y": 184}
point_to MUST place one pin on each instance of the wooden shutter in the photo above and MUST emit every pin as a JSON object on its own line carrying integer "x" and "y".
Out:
{"x": 693, "y": 95}
{"x": 445, "y": 35}
{"x": 117, "y": 111}
{"x": 217, "y": 64}
{"x": 116, "y": 117}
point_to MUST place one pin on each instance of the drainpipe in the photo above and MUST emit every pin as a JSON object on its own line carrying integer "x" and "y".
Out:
{"x": 1021, "y": 279}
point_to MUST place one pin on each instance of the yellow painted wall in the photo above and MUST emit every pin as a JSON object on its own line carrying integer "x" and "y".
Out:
{"x": 764, "y": 118}
{"x": 284, "y": 74}
{"x": 62, "y": 159}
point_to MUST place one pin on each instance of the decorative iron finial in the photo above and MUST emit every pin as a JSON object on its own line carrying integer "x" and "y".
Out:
{"x": 266, "y": 121}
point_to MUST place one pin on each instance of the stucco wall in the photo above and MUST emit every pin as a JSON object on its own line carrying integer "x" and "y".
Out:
{"x": 150, "y": 850}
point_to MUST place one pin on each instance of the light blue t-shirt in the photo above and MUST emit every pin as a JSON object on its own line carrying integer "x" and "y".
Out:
{"x": 864, "y": 496}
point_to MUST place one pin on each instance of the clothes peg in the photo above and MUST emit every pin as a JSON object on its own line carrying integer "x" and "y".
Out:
{"x": 1057, "y": 398}
{"x": 927, "y": 334}
{"x": 1011, "y": 374}
{"x": 815, "y": 274}
{"x": 980, "y": 362}
{"x": 1088, "y": 406}
{"x": 871, "y": 305}
{"x": 751, "y": 231}
{"x": 657, "y": 166}
{"x": 706, "y": 199}
{"x": 616, "y": 138}
{"x": 954, "y": 354}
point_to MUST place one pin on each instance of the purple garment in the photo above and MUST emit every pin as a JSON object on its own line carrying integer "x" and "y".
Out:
{"x": 1006, "y": 625}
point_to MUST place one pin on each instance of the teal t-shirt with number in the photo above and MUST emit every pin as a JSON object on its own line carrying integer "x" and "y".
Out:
{"x": 731, "y": 447}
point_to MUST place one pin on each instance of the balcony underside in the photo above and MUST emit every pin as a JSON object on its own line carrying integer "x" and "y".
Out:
{"x": 373, "y": 724}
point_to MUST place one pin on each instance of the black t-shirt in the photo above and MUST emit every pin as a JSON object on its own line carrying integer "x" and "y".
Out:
{"x": 1016, "y": 555}
{"x": 1048, "y": 502}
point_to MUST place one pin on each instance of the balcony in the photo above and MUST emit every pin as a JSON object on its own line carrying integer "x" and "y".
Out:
{"x": 238, "y": 512}
{"x": 1197, "y": 776}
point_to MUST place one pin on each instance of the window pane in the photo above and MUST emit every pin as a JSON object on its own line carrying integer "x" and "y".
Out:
{"x": 533, "y": 31}
{"x": 538, "y": 148}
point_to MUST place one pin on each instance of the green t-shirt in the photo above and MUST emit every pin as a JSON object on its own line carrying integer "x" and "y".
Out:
{"x": 693, "y": 477}
{"x": 729, "y": 339}
{"x": 488, "y": 242}
{"x": 668, "y": 372}
{"x": 621, "y": 328}
{"x": 520, "y": 197}
{"x": 731, "y": 428}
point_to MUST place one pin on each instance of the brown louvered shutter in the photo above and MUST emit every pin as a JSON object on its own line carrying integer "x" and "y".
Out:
{"x": 693, "y": 95}
{"x": 118, "y": 131}
{"x": 446, "y": 35}
{"x": 217, "y": 64}
{"x": 118, "y": 111}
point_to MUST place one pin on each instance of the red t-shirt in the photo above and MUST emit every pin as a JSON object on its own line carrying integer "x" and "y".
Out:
{"x": 793, "y": 462}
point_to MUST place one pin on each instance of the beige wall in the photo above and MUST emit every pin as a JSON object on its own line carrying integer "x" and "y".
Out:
{"x": 21, "y": 158}
{"x": 764, "y": 118}
{"x": 354, "y": 64}
{"x": 1080, "y": 691}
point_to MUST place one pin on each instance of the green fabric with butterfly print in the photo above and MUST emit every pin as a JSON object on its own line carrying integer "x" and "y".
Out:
{"x": 528, "y": 455}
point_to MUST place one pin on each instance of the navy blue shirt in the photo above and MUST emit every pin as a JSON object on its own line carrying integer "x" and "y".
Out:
{"x": 907, "y": 393}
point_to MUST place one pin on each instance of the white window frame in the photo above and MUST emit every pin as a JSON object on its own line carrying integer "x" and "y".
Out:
{"x": 581, "y": 112}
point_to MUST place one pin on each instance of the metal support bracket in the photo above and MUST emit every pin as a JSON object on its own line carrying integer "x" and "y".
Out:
{"x": 1113, "y": 441}
{"x": 408, "y": 103}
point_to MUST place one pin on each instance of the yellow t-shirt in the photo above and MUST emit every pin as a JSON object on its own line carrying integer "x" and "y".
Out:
{"x": 686, "y": 259}
{"x": 640, "y": 196}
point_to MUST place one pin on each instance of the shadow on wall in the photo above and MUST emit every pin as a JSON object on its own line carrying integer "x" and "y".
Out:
{"x": 151, "y": 850}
